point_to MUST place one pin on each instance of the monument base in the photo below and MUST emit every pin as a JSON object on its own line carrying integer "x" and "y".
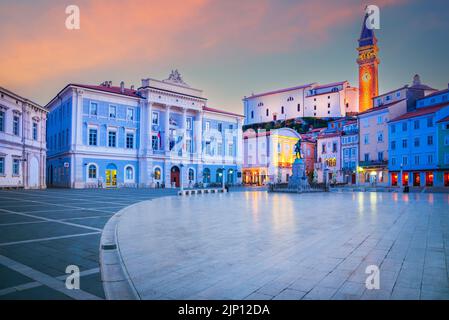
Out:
{"x": 299, "y": 180}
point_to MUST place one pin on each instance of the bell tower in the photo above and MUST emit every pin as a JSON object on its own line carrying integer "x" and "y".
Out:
{"x": 368, "y": 67}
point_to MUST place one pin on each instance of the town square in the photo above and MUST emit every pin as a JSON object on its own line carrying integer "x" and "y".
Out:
{"x": 136, "y": 167}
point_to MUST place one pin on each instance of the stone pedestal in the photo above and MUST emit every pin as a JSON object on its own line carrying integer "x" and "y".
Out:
{"x": 298, "y": 180}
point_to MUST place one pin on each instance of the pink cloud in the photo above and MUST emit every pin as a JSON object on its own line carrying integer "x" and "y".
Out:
{"x": 150, "y": 32}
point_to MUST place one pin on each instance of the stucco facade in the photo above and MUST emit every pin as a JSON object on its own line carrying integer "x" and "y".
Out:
{"x": 22, "y": 142}
{"x": 162, "y": 134}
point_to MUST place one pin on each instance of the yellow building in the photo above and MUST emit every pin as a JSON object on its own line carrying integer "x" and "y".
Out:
{"x": 268, "y": 155}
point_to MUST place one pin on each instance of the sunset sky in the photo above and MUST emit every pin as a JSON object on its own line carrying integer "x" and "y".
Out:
{"x": 228, "y": 48}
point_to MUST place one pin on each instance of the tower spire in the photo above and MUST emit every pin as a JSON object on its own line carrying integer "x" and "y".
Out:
{"x": 367, "y": 36}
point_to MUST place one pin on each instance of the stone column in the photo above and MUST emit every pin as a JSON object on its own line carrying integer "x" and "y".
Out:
{"x": 184, "y": 132}
{"x": 149, "y": 134}
{"x": 79, "y": 118}
{"x": 167, "y": 131}
{"x": 199, "y": 134}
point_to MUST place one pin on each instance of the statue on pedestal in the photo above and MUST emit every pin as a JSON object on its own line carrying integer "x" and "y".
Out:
{"x": 298, "y": 180}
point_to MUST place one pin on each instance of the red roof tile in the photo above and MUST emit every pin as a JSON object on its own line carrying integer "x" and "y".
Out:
{"x": 443, "y": 120}
{"x": 421, "y": 112}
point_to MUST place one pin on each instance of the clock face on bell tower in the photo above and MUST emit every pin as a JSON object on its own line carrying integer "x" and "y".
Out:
{"x": 368, "y": 68}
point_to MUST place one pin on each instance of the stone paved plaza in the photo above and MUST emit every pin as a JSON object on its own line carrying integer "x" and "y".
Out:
{"x": 44, "y": 231}
{"x": 256, "y": 245}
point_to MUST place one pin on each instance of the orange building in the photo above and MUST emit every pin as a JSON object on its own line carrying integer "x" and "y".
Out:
{"x": 368, "y": 67}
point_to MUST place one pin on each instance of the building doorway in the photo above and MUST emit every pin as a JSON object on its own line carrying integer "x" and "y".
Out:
{"x": 405, "y": 179}
{"x": 416, "y": 179}
{"x": 429, "y": 179}
{"x": 174, "y": 176}
{"x": 394, "y": 179}
{"x": 230, "y": 178}
{"x": 446, "y": 179}
{"x": 111, "y": 176}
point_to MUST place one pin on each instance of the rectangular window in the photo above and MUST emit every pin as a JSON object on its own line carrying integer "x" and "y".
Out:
{"x": 380, "y": 136}
{"x": 430, "y": 159}
{"x": 334, "y": 147}
{"x": 93, "y": 109}
{"x": 93, "y": 133}
{"x": 430, "y": 140}
{"x": 15, "y": 167}
{"x": 393, "y": 161}
{"x": 446, "y": 140}
{"x": 430, "y": 122}
{"x": 404, "y": 143}
{"x": 155, "y": 118}
{"x": 404, "y": 161}
{"x": 207, "y": 126}
{"x": 252, "y": 114}
{"x": 16, "y": 125}
{"x": 404, "y": 126}
{"x": 130, "y": 114}
{"x": 220, "y": 127}
{"x": 366, "y": 156}
{"x": 155, "y": 142}
{"x": 219, "y": 149}
{"x": 416, "y": 124}
{"x": 2, "y": 121}
{"x": 366, "y": 139}
{"x": 393, "y": 128}
{"x": 379, "y": 120}
{"x": 35, "y": 131}
{"x": 112, "y": 139}
{"x": 299, "y": 107}
{"x": 393, "y": 145}
{"x": 323, "y": 148}
{"x": 2, "y": 165}
{"x": 416, "y": 160}
{"x": 380, "y": 156}
{"x": 189, "y": 123}
{"x": 416, "y": 142}
{"x": 230, "y": 149}
{"x": 129, "y": 140}
{"x": 112, "y": 112}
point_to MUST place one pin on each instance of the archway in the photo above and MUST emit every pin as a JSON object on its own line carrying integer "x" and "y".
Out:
{"x": 111, "y": 175}
{"x": 174, "y": 176}
{"x": 230, "y": 178}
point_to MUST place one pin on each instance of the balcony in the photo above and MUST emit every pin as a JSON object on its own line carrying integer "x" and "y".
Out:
{"x": 373, "y": 163}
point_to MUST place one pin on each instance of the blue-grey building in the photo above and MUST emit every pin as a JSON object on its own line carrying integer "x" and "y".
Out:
{"x": 161, "y": 134}
{"x": 414, "y": 145}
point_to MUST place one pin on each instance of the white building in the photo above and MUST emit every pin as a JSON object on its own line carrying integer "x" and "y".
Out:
{"x": 22, "y": 142}
{"x": 162, "y": 134}
{"x": 332, "y": 100}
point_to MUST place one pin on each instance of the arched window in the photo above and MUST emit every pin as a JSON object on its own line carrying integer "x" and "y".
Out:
{"x": 157, "y": 174}
{"x": 191, "y": 174}
{"x": 92, "y": 171}
{"x": 219, "y": 176}
{"x": 230, "y": 178}
{"x": 206, "y": 175}
{"x": 129, "y": 173}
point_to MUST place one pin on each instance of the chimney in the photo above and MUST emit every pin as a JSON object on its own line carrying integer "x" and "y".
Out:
{"x": 132, "y": 87}
{"x": 122, "y": 87}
